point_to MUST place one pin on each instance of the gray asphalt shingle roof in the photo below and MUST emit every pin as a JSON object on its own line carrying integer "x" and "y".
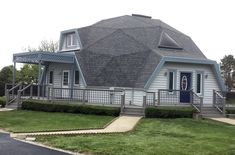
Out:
{"x": 124, "y": 51}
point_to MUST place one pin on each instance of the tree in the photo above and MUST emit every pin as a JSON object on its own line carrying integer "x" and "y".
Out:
{"x": 227, "y": 68}
{"x": 45, "y": 46}
{"x": 29, "y": 72}
{"x": 6, "y": 77}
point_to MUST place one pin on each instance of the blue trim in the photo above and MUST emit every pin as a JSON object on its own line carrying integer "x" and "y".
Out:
{"x": 80, "y": 70}
{"x": 218, "y": 76}
{"x": 79, "y": 39}
{"x": 36, "y": 57}
{"x": 186, "y": 60}
{"x": 155, "y": 72}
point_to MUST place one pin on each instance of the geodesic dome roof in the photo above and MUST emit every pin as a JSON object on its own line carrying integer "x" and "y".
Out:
{"x": 124, "y": 51}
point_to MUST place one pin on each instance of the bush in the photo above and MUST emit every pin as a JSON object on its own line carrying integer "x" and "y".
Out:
{"x": 230, "y": 95}
{"x": 230, "y": 110}
{"x": 169, "y": 112}
{"x": 2, "y": 102}
{"x": 69, "y": 108}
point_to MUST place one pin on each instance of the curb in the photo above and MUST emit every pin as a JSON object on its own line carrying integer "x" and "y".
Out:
{"x": 49, "y": 147}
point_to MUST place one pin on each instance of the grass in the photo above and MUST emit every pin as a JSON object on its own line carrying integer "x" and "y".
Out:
{"x": 28, "y": 121}
{"x": 155, "y": 136}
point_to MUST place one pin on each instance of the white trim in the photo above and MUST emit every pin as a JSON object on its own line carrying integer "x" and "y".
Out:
{"x": 201, "y": 82}
{"x": 72, "y": 37}
{"x": 65, "y": 86}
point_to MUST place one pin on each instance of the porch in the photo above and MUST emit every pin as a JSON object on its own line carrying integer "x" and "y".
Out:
{"x": 110, "y": 97}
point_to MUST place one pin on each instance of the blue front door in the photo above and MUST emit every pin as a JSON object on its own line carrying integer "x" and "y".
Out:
{"x": 185, "y": 86}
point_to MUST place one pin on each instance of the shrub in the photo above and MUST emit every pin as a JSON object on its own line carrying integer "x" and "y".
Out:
{"x": 230, "y": 95}
{"x": 2, "y": 102}
{"x": 69, "y": 108}
{"x": 230, "y": 110}
{"x": 169, "y": 112}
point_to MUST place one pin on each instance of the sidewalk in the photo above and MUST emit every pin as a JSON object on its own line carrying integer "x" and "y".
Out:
{"x": 121, "y": 124}
{"x": 224, "y": 120}
{"x": 6, "y": 109}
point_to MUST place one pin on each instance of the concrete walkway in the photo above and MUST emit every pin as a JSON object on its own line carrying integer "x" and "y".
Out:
{"x": 224, "y": 120}
{"x": 121, "y": 124}
{"x": 6, "y": 109}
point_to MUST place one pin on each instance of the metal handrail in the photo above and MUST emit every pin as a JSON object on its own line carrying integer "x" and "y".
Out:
{"x": 216, "y": 92}
{"x": 15, "y": 87}
{"x": 7, "y": 93}
{"x": 25, "y": 87}
{"x": 200, "y": 100}
{"x": 22, "y": 90}
{"x": 222, "y": 103}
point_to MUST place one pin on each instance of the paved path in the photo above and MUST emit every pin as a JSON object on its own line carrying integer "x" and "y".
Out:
{"x": 121, "y": 124}
{"x": 6, "y": 109}
{"x": 10, "y": 146}
{"x": 225, "y": 120}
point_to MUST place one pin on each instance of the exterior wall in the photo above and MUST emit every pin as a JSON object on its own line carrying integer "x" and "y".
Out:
{"x": 57, "y": 69}
{"x": 209, "y": 83}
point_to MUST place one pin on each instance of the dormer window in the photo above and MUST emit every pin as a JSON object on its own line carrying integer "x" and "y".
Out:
{"x": 71, "y": 40}
{"x": 168, "y": 42}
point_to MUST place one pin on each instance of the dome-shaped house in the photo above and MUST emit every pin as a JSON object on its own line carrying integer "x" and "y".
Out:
{"x": 136, "y": 55}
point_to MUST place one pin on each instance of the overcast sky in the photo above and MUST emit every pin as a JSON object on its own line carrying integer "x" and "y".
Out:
{"x": 210, "y": 23}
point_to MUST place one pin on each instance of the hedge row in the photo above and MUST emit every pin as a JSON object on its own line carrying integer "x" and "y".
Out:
{"x": 2, "y": 102}
{"x": 230, "y": 110}
{"x": 169, "y": 112}
{"x": 69, "y": 108}
{"x": 230, "y": 95}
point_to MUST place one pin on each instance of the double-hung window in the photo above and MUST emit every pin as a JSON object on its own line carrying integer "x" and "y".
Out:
{"x": 76, "y": 78}
{"x": 171, "y": 80}
{"x": 199, "y": 83}
{"x": 51, "y": 76}
{"x": 71, "y": 40}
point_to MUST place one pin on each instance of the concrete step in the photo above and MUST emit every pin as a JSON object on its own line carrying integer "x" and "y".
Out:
{"x": 132, "y": 114}
{"x": 133, "y": 111}
{"x": 210, "y": 112}
{"x": 212, "y": 115}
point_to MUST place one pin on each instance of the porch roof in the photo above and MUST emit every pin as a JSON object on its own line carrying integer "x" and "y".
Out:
{"x": 37, "y": 57}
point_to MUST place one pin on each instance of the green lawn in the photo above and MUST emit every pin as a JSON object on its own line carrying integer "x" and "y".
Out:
{"x": 156, "y": 137}
{"x": 26, "y": 121}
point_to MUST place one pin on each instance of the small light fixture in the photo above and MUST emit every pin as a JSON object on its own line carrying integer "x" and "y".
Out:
{"x": 206, "y": 76}
{"x": 165, "y": 74}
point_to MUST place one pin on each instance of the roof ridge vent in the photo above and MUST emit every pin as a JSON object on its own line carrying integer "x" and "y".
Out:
{"x": 143, "y": 16}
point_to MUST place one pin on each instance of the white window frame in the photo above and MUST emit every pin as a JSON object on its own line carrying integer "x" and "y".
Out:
{"x": 201, "y": 83}
{"x": 63, "y": 78}
{"x": 70, "y": 36}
